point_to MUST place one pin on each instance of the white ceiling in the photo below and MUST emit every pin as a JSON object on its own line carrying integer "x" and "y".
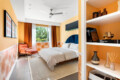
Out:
{"x": 40, "y": 9}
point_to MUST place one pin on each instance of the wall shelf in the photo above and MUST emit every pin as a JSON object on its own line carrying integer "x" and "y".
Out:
{"x": 108, "y": 71}
{"x": 106, "y": 19}
{"x": 103, "y": 44}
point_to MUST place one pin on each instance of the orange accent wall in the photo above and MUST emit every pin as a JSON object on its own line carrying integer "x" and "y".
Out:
{"x": 112, "y": 27}
{"x": 21, "y": 32}
{"x": 6, "y": 42}
{"x": 65, "y": 34}
{"x": 8, "y": 46}
{"x": 89, "y": 11}
{"x": 111, "y": 7}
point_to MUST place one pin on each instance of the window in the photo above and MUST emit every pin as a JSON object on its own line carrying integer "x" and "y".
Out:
{"x": 42, "y": 34}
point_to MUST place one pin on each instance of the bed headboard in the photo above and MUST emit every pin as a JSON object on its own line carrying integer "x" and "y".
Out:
{"x": 72, "y": 39}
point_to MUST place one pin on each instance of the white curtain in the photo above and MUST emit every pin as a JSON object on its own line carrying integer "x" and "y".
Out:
{"x": 50, "y": 36}
{"x": 34, "y": 36}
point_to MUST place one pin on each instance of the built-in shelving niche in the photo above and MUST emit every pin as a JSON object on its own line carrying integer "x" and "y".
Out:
{"x": 103, "y": 24}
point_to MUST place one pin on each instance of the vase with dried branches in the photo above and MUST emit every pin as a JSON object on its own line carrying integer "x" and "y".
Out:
{"x": 107, "y": 63}
{"x": 118, "y": 5}
{"x": 113, "y": 57}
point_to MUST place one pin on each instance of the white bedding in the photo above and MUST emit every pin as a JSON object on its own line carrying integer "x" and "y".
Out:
{"x": 68, "y": 53}
{"x": 52, "y": 56}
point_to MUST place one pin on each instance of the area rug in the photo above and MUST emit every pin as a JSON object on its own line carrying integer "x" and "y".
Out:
{"x": 71, "y": 77}
{"x": 40, "y": 71}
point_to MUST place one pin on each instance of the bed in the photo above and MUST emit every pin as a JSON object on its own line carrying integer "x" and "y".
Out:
{"x": 55, "y": 55}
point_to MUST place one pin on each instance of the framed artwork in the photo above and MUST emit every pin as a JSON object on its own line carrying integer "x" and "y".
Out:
{"x": 14, "y": 30}
{"x": 7, "y": 25}
{"x": 92, "y": 35}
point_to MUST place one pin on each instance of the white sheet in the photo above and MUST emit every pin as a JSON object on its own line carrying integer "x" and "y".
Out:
{"x": 56, "y": 55}
{"x": 68, "y": 53}
{"x": 52, "y": 57}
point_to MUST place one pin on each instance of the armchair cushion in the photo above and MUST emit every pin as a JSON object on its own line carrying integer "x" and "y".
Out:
{"x": 31, "y": 51}
{"x": 23, "y": 49}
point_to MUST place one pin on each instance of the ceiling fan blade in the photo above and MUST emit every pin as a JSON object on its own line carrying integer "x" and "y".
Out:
{"x": 50, "y": 16}
{"x": 51, "y": 13}
{"x": 57, "y": 13}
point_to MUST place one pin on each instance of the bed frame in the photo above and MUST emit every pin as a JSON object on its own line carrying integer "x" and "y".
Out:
{"x": 71, "y": 39}
{"x": 76, "y": 59}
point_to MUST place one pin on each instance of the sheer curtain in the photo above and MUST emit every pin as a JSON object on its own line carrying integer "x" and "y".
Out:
{"x": 50, "y": 36}
{"x": 34, "y": 36}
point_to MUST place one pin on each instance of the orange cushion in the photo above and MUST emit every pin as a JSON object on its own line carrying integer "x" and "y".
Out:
{"x": 22, "y": 48}
{"x": 32, "y": 51}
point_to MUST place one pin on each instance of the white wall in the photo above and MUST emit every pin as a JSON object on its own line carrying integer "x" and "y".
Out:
{"x": 18, "y": 6}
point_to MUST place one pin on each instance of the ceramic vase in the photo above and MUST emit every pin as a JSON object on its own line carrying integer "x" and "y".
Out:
{"x": 104, "y": 12}
{"x": 95, "y": 59}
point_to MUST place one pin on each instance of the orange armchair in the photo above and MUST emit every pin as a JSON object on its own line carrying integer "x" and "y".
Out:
{"x": 24, "y": 49}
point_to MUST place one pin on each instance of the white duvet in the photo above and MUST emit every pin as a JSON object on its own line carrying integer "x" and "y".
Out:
{"x": 52, "y": 56}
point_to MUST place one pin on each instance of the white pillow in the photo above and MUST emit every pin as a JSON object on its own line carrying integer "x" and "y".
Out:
{"x": 74, "y": 46}
{"x": 66, "y": 45}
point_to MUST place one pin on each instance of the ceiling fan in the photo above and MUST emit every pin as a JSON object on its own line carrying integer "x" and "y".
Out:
{"x": 52, "y": 14}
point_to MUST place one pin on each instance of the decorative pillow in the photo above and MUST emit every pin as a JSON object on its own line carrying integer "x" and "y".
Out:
{"x": 74, "y": 46}
{"x": 66, "y": 45}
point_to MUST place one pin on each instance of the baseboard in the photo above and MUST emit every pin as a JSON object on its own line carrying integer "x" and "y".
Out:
{"x": 10, "y": 73}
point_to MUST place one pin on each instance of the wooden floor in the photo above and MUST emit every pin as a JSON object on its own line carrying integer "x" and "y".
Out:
{"x": 21, "y": 70}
